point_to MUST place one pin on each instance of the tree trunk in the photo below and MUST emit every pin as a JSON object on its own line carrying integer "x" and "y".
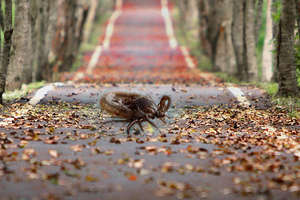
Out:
{"x": 298, "y": 14}
{"x": 1, "y": 29}
{"x": 215, "y": 18}
{"x": 267, "y": 57}
{"x": 34, "y": 7}
{"x": 20, "y": 70}
{"x": 213, "y": 30}
{"x": 250, "y": 41}
{"x": 90, "y": 19}
{"x": 5, "y": 59}
{"x": 41, "y": 33}
{"x": 70, "y": 30}
{"x": 243, "y": 38}
{"x": 203, "y": 25}
{"x": 238, "y": 37}
{"x": 2, "y": 69}
{"x": 71, "y": 20}
{"x": 285, "y": 49}
{"x": 258, "y": 17}
{"x": 225, "y": 52}
{"x": 1, "y": 19}
{"x": 275, "y": 27}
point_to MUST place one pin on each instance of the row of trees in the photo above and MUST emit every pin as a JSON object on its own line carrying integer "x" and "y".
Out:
{"x": 41, "y": 38}
{"x": 229, "y": 34}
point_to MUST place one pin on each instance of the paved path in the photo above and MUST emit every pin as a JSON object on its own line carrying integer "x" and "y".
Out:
{"x": 139, "y": 46}
{"x": 182, "y": 95}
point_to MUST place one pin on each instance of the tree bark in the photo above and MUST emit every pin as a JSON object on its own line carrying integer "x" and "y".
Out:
{"x": 8, "y": 31}
{"x": 20, "y": 69}
{"x": 1, "y": 29}
{"x": 238, "y": 37}
{"x": 250, "y": 41}
{"x": 213, "y": 30}
{"x": 225, "y": 52}
{"x": 34, "y": 7}
{"x": 41, "y": 27}
{"x": 275, "y": 27}
{"x": 1, "y": 18}
{"x": 2, "y": 70}
{"x": 243, "y": 38}
{"x": 90, "y": 19}
{"x": 298, "y": 14}
{"x": 267, "y": 57}
{"x": 285, "y": 49}
{"x": 68, "y": 36}
{"x": 203, "y": 25}
{"x": 215, "y": 18}
{"x": 258, "y": 17}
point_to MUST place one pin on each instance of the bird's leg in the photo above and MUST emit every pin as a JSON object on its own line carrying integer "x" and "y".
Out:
{"x": 150, "y": 122}
{"x": 140, "y": 125}
{"x": 130, "y": 125}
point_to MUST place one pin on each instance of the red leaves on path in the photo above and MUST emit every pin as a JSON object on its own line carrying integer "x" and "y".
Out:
{"x": 139, "y": 51}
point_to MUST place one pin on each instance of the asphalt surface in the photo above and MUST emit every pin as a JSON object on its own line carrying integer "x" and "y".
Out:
{"x": 182, "y": 96}
{"x": 94, "y": 159}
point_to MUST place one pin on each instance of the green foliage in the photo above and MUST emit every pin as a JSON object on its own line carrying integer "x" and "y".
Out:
{"x": 12, "y": 95}
{"x": 270, "y": 88}
{"x": 277, "y": 7}
{"x": 292, "y": 104}
{"x": 227, "y": 78}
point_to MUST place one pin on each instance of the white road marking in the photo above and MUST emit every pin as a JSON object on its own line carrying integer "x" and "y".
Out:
{"x": 41, "y": 93}
{"x": 187, "y": 57}
{"x": 111, "y": 24}
{"x": 170, "y": 33}
{"x": 168, "y": 22}
{"x": 239, "y": 95}
{"x": 94, "y": 60}
{"x": 106, "y": 42}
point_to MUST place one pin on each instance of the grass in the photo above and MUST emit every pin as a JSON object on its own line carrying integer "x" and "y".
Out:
{"x": 26, "y": 89}
{"x": 290, "y": 103}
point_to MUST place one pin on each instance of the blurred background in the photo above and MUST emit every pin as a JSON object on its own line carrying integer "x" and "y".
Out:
{"x": 239, "y": 40}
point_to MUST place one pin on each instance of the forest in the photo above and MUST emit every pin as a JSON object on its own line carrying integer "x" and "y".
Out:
{"x": 247, "y": 39}
{"x": 40, "y": 39}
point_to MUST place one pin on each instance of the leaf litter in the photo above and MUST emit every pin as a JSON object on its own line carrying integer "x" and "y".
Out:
{"x": 256, "y": 152}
